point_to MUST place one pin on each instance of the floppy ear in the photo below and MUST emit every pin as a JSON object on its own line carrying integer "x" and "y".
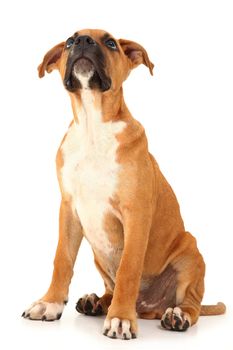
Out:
{"x": 136, "y": 53}
{"x": 50, "y": 60}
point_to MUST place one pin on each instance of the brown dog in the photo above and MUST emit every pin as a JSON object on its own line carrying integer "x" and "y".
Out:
{"x": 115, "y": 195}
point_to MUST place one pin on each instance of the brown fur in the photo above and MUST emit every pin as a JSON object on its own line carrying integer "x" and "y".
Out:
{"x": 157, "y": 262}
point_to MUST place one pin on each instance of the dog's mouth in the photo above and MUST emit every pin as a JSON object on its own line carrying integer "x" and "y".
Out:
{"x": 83, "y": 72}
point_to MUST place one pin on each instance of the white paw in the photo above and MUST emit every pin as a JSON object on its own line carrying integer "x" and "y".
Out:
{"x": 42, "y": 310}
{"x": 116, "y": 328}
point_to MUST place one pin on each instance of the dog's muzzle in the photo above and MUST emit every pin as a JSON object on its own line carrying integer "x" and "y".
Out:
{"x": 86, "y": 59}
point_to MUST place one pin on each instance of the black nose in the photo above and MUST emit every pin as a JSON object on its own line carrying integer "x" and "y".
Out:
{"x": 84, "y": 41}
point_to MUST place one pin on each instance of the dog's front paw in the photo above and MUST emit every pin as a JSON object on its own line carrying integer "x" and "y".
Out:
{"x": 122, "y": 329}
{"x": 44, "y": 311}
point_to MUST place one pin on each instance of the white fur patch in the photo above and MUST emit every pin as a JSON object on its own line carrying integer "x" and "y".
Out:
{"x": 90, "y": 171}
{"x": 84, "y": 78}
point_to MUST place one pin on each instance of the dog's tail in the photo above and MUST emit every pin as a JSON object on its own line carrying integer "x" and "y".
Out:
{"x": 208, "y": 310}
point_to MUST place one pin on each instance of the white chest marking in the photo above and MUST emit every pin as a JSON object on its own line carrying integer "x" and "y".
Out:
{"x": 90, "y": 169}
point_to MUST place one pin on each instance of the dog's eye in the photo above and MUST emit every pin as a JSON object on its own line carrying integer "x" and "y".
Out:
{"x": 111, "y": 44}
{"x": 69, "y": 42}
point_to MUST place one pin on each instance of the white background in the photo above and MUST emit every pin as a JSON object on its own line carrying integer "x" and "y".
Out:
{"x": 187, "y": 110}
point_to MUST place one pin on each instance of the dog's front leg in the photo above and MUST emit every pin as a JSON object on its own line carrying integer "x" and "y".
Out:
{"x": 50, "y": 307}
{"x": 121, "y": 318}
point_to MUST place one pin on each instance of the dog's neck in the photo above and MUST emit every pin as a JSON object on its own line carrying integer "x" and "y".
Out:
{"x": 94, "y": 110}
{"x": 98, "y": 116}
{"x": 111, "y": 104}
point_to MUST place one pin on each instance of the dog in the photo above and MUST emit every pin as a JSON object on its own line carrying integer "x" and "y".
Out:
{"x": 115, "y": 195}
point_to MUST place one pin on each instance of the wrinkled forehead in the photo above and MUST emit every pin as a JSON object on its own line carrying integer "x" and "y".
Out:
{"x": 97, "y": 34}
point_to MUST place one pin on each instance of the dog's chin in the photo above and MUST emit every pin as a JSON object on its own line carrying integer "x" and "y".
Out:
{"x": 84, "y": 75}
{"x": 83, "y": 68}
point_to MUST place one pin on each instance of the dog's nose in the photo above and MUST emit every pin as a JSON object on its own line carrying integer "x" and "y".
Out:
{"x": 84, "y": 41}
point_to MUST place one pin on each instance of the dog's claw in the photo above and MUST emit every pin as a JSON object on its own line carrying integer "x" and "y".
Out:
{"x": 59, "y": 315}
{"x": 113, "y": 336}
{"x": 105, "y": 332}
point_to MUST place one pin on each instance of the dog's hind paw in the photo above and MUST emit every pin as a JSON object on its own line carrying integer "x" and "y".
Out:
{"x": 44, "y": 311}
{"x": 175, "y": 320}
{"x": 89, "y": 305}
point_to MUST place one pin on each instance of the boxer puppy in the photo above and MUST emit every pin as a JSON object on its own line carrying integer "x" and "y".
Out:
{"x": 114, "y": 195}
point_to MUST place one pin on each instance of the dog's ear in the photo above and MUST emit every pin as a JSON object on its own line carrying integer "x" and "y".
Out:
{"x": 50, "y": 60}
{"x": 136, "y": 54}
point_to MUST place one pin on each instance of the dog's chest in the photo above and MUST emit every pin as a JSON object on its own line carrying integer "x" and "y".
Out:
{"x": 90, "y": 173}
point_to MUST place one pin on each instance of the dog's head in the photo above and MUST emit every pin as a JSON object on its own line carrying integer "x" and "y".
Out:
{"x": 94, "y": 59}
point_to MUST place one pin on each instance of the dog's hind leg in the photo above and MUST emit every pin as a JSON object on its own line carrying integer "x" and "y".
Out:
{"x": 189, "y": 293}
